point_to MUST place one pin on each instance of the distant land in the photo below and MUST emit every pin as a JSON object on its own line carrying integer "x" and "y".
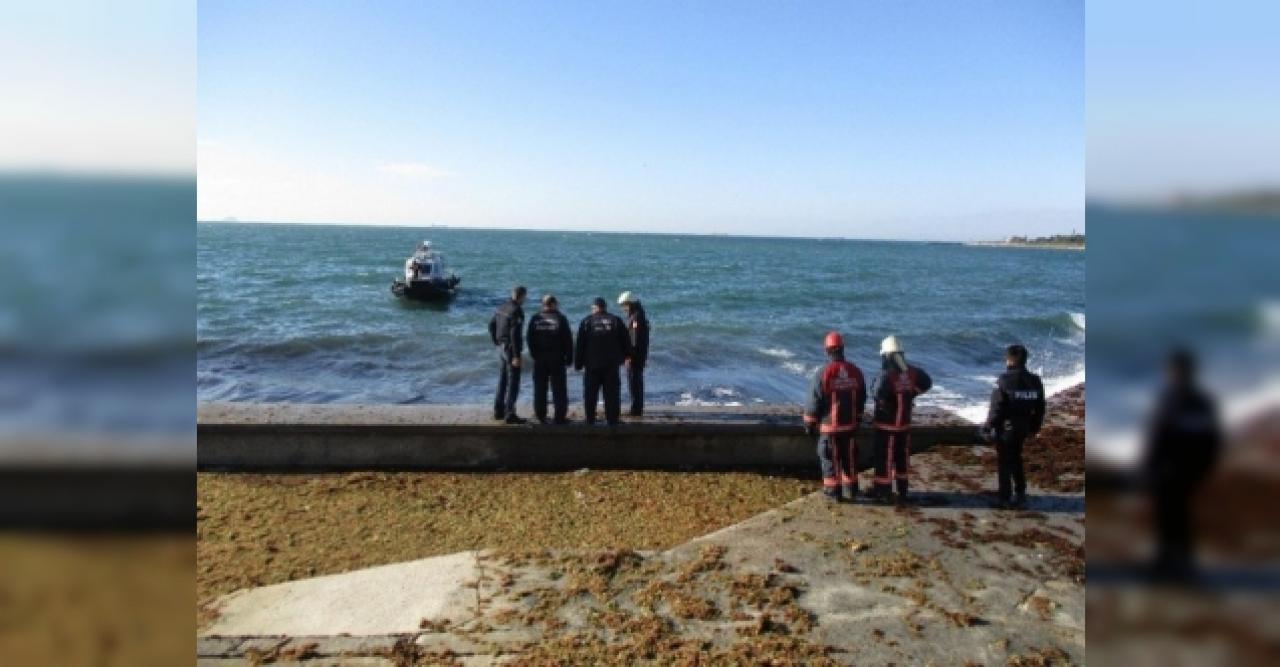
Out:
{"x": 1072, "y": 241}
{"x": 1257, "y": 200}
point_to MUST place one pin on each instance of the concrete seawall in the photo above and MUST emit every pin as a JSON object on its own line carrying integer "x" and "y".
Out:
{"x": 238, "y": 437}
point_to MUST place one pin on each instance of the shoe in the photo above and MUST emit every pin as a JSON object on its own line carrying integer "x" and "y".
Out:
{"x": 1020, "y": 501}
{"x": 849, "y": 494}
{"x": 498, "y": 417}
{"x": 543, "y": 421}
{"x": 1004, "y": 504}
{"x": 512, "y": 419}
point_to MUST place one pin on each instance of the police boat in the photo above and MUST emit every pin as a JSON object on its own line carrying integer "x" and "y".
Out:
{"x": 426, "y": 277}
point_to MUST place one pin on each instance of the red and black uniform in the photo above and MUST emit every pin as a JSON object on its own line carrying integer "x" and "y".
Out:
{"x": 836, "y": 401}
{"x": 894, "y": 393}
{"x": 638, "y": 329}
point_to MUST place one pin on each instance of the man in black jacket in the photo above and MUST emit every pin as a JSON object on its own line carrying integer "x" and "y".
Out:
{"x": 551, "y": 346}
{"x": 506, "y": 329}
{"x": 638, "y": 329}
{"x": 1016, "y": 414}
{"x": 1184, "y": 443}
{"x": 602, "y": 346}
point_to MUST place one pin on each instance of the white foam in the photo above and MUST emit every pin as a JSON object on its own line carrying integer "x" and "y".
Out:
{"x": 795, "y": 367}
{"x": 1078, "y": 320}
{"x": 778, "y": 352}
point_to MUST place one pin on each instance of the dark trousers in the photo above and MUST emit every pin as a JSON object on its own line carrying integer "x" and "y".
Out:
{"x": 1009, "y": 464}
{"x": 1175, "y": 547}
{"x": 892, "y": 455}
{"x": 504, "y": 402}
{"x": 635, "y": 385}
{"x": 838, "y": 456}
{"x": 595, "y": 379}
{"x": 553, "y": 374}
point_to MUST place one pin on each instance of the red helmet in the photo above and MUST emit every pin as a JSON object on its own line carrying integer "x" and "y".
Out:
{"x": 833, "y": 339}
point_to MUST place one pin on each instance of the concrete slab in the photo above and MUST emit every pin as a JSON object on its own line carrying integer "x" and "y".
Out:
{"x": 374, "y": 601}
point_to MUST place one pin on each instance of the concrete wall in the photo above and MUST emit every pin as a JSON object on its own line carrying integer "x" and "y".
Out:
{"x": 313, "y": 438}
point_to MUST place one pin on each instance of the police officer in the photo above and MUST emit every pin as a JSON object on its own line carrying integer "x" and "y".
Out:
{"x": 602, "y": 346}
{"x": 1016, "y": 413}
{"x": 551, "y": 346}
{"x": 834, "y": 409}
{"x": 638, "y": 328}
{"x": 1184, "y": 443}
{"x": 894, "y": 391}
{"x": 506, "y": 328}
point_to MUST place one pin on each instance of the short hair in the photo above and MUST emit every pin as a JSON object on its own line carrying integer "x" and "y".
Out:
{"x": 548, "y": 299}
{"x": 1016, "y": 353}
{"x": 518, "y": 291}
{"x": 600, "y": 303}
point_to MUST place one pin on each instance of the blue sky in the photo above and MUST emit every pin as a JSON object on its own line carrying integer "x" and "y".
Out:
{"x": 886, "y": 119}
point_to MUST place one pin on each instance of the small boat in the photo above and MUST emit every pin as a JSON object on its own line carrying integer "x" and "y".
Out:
{"x": 426, "y": 277}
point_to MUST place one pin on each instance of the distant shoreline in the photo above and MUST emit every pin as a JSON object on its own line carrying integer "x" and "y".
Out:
{"x": 1040, "y": 246}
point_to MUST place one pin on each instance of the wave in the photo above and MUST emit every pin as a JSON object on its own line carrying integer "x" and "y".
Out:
{"x": 977, "y": 412}
{"x": 1078, "y": 320}
{"x": 778, "y": 352}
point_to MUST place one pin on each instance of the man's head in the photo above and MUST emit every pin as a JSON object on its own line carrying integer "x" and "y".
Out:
{"x": 549, "y": 302}
{"x": 834, "y": 344}
{"x": 599, "y": 305}
{"x": 627, "y": 300}
{"x": 517, "y": 293}
{"x": 1181, "y": 367}
{"x": 1015, "y": 356}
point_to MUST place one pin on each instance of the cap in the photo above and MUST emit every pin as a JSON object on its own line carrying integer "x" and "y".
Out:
{"x": 600, "y": 303}
{"x": 626, "y": 297}
{"x": 833, "y": 339}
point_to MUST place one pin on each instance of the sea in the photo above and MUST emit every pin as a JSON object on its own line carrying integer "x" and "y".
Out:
{"x": 304, "y": 313}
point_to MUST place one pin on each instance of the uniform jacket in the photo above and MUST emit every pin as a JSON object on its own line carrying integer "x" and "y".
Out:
{"x": 837, "y": 398}
{"x": 638, "y": 328}
{"x": 894, "y": 393}
{"x": 1185, "y": 437}
{"x": 602, "y": 342}
{"x": 550, "y": 339}
{"x": 506, "y": 328}
{"x": 1017, "y": 403}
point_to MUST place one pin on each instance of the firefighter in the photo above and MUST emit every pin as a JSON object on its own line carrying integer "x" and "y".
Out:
{"x": 894, "y": 392}
{"x": 602, "y": 346}
{"x": 834, "y": 409}
{"x": 506, "y": 329}
{"x": 551, "y": 346}
{"x": 1016, "y": 414}
{"x": 638, "y": 328}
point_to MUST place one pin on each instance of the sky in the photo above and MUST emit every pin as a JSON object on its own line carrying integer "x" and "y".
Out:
{"x": 910, "y": 120}
{"x": 1182, "y": 98}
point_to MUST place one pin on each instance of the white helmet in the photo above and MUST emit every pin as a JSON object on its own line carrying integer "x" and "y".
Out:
{"x": 627, "y": 297}
{"x": 890, "y": 345}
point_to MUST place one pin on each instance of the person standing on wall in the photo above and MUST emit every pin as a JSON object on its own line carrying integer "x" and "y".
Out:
{"x": 638, "y": 330}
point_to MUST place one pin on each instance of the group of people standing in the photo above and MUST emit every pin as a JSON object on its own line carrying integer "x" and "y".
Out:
{"x": 834, "y": 410}
{"x": 837, "y": 401}
{"x": 604, "y": 344}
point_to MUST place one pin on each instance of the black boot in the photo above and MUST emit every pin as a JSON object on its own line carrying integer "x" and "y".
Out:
{"x": 513, "y": 419}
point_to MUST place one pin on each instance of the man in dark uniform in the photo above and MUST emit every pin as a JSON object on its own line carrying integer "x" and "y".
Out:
{"x": 638, "y": 328}
{"x": 551, "y": 346}
{"x": 506, "y": 328}
{"x": 834, "y": 409}
{"x": 602, "y": 346}
{"x": 1184, "y": 442}
{"x": 894, "y": 392}
{"x": 1016, "y": 414}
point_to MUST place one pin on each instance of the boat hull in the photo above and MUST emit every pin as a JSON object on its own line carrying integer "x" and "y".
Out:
{"x": 425, "y": 290}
